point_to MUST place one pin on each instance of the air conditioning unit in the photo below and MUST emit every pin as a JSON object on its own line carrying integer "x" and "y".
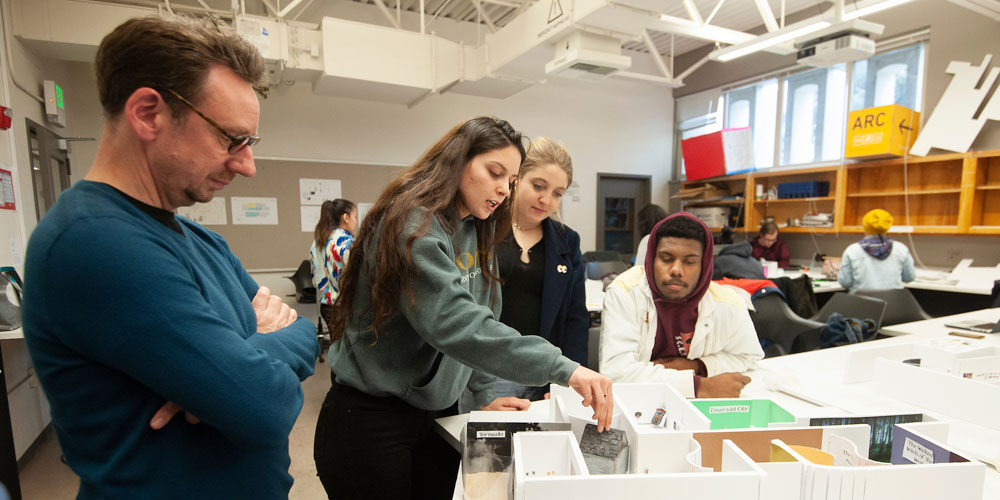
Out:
{"x": 586, "y": 56}
{"x": 839, "y": 49}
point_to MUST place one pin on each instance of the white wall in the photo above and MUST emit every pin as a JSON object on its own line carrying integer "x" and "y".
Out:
{"x": 624, "y": 128}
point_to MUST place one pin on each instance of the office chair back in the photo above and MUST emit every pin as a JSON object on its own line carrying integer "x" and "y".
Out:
{"x": 901, "y": 305}
{"x": 593, "y": 348}
{"x": 853, "y": 306}
{"x": 789, "y": 332}
{"x": 602, "y": 255}
{"x": 305, "y": 292}
{"x": 598, "y": 269}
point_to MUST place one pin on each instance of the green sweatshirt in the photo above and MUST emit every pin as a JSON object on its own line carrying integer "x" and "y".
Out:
{"x": 426, "y": 354}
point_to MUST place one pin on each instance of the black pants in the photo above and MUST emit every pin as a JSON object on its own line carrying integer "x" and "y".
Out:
{"x": 370, "y": 448}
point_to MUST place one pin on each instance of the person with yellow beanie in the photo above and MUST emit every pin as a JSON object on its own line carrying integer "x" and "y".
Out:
{"x": 876, "y": 262}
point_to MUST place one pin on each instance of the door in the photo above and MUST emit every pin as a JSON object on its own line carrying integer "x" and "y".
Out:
{"x": 619, "y": 199}
{"x": 50, "y": 168}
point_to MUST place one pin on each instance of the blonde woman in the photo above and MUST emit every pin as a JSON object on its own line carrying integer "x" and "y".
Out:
{"x": 541, "y": 264}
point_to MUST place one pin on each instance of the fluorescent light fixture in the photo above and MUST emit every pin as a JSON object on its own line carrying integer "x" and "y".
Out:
{"x": 872, "y": 8}
{"x": 768, "y": 40}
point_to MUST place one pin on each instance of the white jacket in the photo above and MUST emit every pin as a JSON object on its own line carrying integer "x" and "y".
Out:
{"x": 724, "y": 337}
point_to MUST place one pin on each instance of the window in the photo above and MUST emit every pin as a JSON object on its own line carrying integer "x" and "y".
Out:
{"x": 754, "y": 106}
{"x": 808, "y": 124}
{"x": 894, "y": 77}
{"x": 812, "y": 121}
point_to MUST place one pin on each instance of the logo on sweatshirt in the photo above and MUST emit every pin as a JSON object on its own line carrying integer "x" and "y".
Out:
{"x": 467, "y": 261}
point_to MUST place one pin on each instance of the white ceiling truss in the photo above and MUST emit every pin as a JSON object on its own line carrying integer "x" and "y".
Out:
{"x": 731, "y": 26}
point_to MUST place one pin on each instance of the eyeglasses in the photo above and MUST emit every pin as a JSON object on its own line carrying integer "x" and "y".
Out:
{"x": 236, "y": 142}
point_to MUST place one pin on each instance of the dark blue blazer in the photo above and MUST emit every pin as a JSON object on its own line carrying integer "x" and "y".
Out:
{"x": 565, "y": 320}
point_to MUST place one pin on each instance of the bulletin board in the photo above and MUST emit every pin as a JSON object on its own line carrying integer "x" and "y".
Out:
{"x": 285, "y": 245}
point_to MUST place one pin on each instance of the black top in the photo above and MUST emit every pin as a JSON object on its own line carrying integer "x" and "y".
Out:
{"x": 165, "y": 217}
{"x": 522, "y": 288}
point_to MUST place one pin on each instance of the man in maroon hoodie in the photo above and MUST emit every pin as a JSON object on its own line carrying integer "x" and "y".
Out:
{"x": 668, "y": 322}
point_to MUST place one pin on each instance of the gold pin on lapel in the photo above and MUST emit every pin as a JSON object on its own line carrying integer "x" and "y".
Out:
{"x": 561, "y": 268}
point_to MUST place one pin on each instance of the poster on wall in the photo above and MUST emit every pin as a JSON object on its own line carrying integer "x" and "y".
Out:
{"x": 257, "y": 211}
{"x": 212, "y": 213}
{"x": 6, "y": 190}
{"x": 310, "y": 217}
{"x": 316, "y": 191}
{"x": 363, "y": 209}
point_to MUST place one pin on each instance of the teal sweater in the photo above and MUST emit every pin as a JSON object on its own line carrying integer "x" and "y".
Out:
{"x": 426, "y": 354}
{"x": 122, "y": 314}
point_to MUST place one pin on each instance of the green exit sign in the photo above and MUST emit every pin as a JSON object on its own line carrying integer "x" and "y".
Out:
{"x": 55, "y": 106}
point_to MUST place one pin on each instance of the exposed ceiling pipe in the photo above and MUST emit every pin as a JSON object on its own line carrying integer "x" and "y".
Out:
{"x": 716, "y": 11}
{"x": 767, "y": 15}
{"x": 667, "y": 82}
{"x": 304, "y": 8}
{"x": 438, "y": 12}
{"x": 388, "y": 15}
{"x": 486, "y": 17}
{"x": 979, "y": 9}
{"x": 693, "y": 67}
{"x": 269, "y": 7}
{"x": 687, "y": 27}
{"x": 655, "y": 54}
{"x": 288, "y": 8}
{"x": 692, "y": 10}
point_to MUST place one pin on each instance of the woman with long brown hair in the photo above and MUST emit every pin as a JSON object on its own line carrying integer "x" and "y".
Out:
{"x": 415, "y": 323}
{"x": 331, "y": 246}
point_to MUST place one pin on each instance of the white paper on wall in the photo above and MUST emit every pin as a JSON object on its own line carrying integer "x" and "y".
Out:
{"x": 256, "y": 211}
{"x": 310, "y": 217}
{"x": 363, "y": 209}
{"x": 316, "y": 191}
{"x": 207, "y": 214}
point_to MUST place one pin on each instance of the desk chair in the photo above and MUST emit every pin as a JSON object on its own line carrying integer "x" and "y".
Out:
{"x": 852, "y": 306}
{"x": 593, "y": 348}
{"x": 305, "y": 292}
{"x": 789, "y": 332}
{"x": 598, "y": 269}
{"x": 901, "y": 305}
{"x": 602, "y": 256}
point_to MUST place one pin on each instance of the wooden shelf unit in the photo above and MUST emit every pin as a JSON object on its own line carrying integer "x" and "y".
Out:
{"x": 940, "y": 194}
{"x": 736, "y": 184}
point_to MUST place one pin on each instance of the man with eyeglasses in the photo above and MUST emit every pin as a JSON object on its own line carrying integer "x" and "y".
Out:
{"x": 134, "y": 315}
{"x": 768, "y": 245}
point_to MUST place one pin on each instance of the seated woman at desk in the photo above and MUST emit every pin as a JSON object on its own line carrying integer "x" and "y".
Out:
{"x": 876, "y": 262}
{"x": 769, "y": 246}
{"x": 415, "y": 323}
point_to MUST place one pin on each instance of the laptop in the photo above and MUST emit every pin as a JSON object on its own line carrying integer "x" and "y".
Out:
{"x": 976, "y": 325}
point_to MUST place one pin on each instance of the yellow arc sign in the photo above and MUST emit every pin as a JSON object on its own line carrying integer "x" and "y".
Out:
{"x": 882, "y": 131}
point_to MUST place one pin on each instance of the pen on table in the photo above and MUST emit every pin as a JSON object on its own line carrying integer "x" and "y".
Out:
{"x": 966, "y": 335}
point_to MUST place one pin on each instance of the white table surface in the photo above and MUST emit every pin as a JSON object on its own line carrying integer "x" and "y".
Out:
{"x": 818, "y": 376}
{"x": 936, "y": 326}
{"x": 16, "y": 333}
{"x": 945, "y": 287}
